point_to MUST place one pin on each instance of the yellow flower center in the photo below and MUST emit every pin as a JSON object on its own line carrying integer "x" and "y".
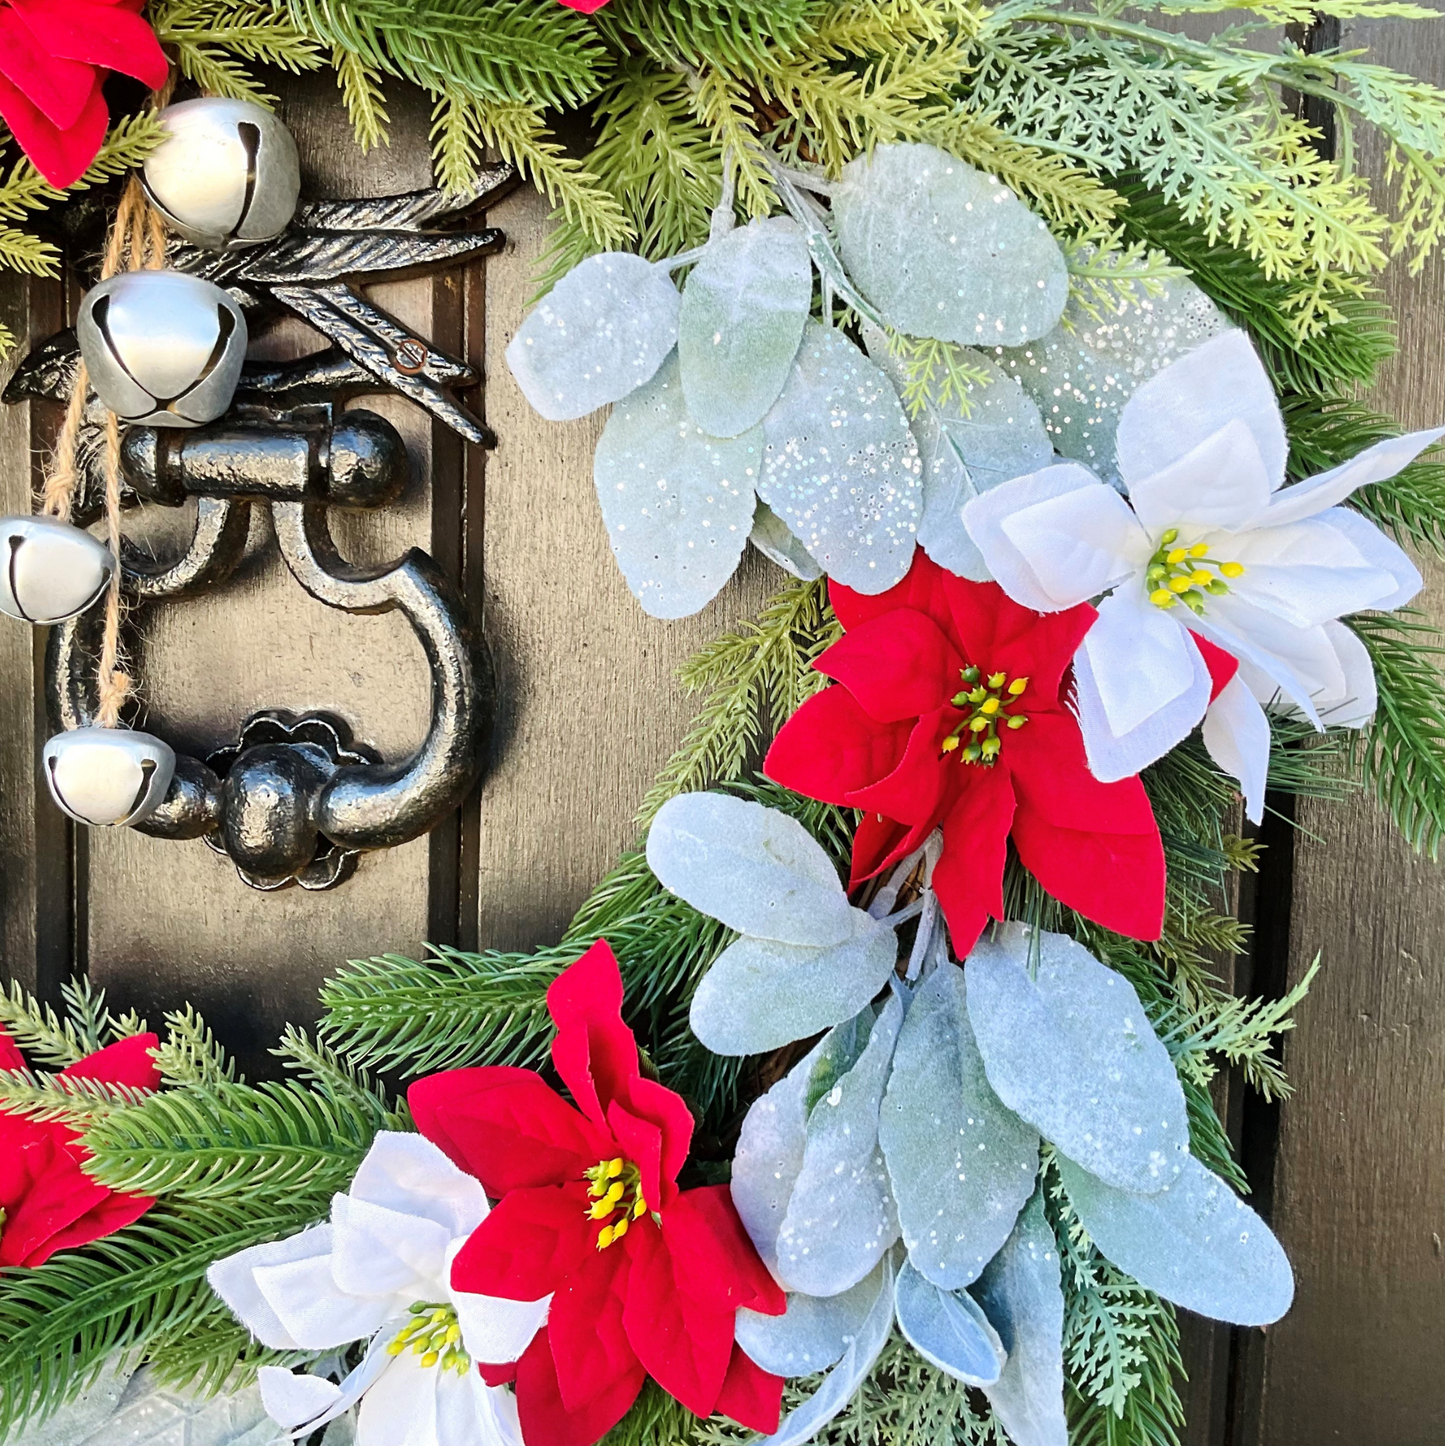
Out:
{"x": 615, "y": 1187}
{"x": 985, "y": 703}
{"x": 1187, "y": 575}
{"x": 434, "y": 1335}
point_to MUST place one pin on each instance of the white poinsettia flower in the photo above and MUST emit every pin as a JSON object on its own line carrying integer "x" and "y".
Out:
{"x": 1209, "y": 543}
{"x": 380, "y": 1270}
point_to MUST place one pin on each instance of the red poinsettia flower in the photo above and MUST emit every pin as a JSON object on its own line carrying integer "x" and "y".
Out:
{"x": 47, "y": 1201}
{"x": 951, "y": 711}
{"x": 587, "y": 7}
{"x": 645, "y": 1279}
{"x": 54, "y": 58}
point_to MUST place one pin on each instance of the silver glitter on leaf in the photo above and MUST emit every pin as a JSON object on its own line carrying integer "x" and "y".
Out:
{"x": 962, "y": 1165}
{"x": 600, "y": 333}
{"x": 751, "y": 867}
{"x": 841, "y": 468}
{"x": 743, "y": 310}
{"x": 813, "y": 1334}
{"x": 943, "y": 250}
{"x": 1074, "y": 1054}
{"x": 841, "y": 1216}
{"x": 678, "y": 504}
{"x": 1196, "y": 1243}
{"x": 948, "y": 1329}
{"x": 771, "y": 537}
{"x": 1085, "y": 369}
{"x": 1021, "y": 1296}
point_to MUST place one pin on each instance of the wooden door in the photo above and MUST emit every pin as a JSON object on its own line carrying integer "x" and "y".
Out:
{"x": 1352, "y": 1168}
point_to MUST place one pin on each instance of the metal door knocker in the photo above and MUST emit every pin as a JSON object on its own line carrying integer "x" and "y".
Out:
{"x": 293, "y": 799}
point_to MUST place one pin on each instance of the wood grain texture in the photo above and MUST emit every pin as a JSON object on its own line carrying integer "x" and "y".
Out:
{"x": 1359, "y": 1177}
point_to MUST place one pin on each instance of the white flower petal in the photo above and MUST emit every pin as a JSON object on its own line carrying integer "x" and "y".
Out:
{"x": 496, "y": 1409}
{"x": 400, "y": 1409}
{"x": 494, "y": 1329}
{"x": 1141, "y": 686}
{"x": 1374, "y": 464}
{"x": 1056, "y": 537}
{"x": 316, "y": 1312}
{"x": 384, "y": 1253}
{"x": 1236, "y": 733}
{"x": 1359, "y": 696}
{"x": 1379, "y": 551}
{"x": 1195, "y": 397}
{"x": 1221, "y": 485}
{"x": 291, "y": 1400}
{"x": 234, "y": 1280}
{"x": 409, "y": 1174}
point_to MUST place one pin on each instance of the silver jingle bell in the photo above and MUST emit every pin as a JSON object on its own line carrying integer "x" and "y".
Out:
{"x": 163, "y": 349}
{"x": 228, "y": 176}
{"x": 49, "y": 570}
{"x": 108, "y": 776}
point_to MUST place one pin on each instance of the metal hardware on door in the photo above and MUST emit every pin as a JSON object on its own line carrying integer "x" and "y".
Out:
{"x": 293, "y": 799}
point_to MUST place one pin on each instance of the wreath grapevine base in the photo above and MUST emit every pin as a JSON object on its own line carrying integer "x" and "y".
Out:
{"x": 747, "y": 1151}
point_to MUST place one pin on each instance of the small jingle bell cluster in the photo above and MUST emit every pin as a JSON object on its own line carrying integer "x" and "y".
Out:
{"x": 161, "y": 349}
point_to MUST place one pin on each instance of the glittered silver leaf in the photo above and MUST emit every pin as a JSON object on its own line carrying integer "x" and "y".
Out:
{"x": 1021, "y": 1296}
{"x": 1083, "y": 371}
{"x": 771, "y": 537}
{"x": 752, "y": 867}
{"x": 841, "y": 1384}
{"x": 841, "y": 467}
{"x": 1073, "y": 1052}
{"x": 943, "y": 250}
{"x": 600, "y": 333}
{"x": 948, "y": 1328}
{"x": 962, "y": 1165}
{"x": 813, "y": 1334}
{"x": 841, "y": 1216}
{"x": 760, "y": 994}
{"x": 743, "y": 310}
{"x": 1196, "y": 1243}
{"x": 678, "y": 503}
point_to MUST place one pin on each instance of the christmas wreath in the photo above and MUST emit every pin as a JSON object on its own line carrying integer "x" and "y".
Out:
{"x": 868, "y": 1098}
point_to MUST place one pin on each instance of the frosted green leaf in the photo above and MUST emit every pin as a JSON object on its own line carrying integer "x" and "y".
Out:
{"x": 841, "y": 1384}
{"x": 600, "y": 333}
{"x": 753, "y": 868}
{"x": 769, "y": 1155}
{"x": 1020, "y": 1293}
{"x": 742, "y": 316}
{"x": 771, "y": 537}
{"x": 947, "y": 1328}
{"x": 1085, "y": 369}
{"x": 761, "y": 994}
{"x": 943, "y": 250}
{"x": 962, "y": 1165}
{"x": 813, "y": 1334}
{"x": 678, "y": 503}
{"x": 1195, "y": 1243}
{"x": 990, "y": 435}
{"x": 840, "y": 466}
{"x": 841, "y": 1216}
{"x": 1073, "y": 1052}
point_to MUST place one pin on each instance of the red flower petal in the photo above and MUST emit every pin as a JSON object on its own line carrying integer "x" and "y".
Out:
{"x": 501, "y": 1374}
{"x": 105, "y": 35}
{"x": 546, "y": 1421}
{"x": 713, "y": 1254}
{"x": 654, "y": 1102}
{"x": 1115, "y": 879}
{"x": 129, "y": 1062}
{"x": 587, "y": 7}
{"x": 896, "y": 666}
{"x": 750, "y": 1395}
{"x": 830, "y": 747}
{"x": 968, "y": 877}
{"x": 594, "y": 1051}
{"x": 57, "y": 88}
{"x": 877, "y": 842}
{"x": 506, "y": 1127}
{"x": 1222, "y": 666}
{"x": 61, "y": 156}
{"x": 683, "y": 1337}
{"x": 587, "y": 1323}
{"x": 59, "y": 1194}
{"x": 924, "y": 588}
{"x": 915, "y": 792}
{"x": 641, "y": 1142}
{"x": 529, "y": 1245}
{"x": 10, "y": 1056}
{"x": 1002, "y": 636}
{"x": 103, "y": 1218}
{"x": 1052, "y": 780}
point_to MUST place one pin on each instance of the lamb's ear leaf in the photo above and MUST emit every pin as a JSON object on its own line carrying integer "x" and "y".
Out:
{"x": 814, "y": 1333}
{"x": 948, "y": 1328}
{"x": 1072, "y": 1051}
{"x": 600, "y": 333}
{"x": 1195, "y": 1243}
{"x": 1021, "y": 1296}
{"x": 742, "y": 316}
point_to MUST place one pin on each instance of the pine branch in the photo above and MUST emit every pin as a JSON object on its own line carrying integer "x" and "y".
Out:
{"x": 212, "y": 38}
{"x": 365, "y": 102}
